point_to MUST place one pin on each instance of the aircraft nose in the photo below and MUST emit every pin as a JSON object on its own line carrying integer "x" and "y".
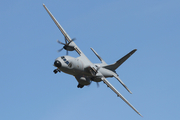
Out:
{"x": 57, "y": 63}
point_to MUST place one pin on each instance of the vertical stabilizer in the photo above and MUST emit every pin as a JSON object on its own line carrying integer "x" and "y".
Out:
{"x": 120, "y": 61}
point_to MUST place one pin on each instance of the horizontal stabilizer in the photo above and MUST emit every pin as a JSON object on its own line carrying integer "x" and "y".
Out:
{"x": 120, "y": 61}
{"x": 98, "y": 56}
{"x": 122, "y": 83}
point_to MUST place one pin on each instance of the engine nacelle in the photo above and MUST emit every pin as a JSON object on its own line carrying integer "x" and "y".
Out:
{"x": 83, "y": 80}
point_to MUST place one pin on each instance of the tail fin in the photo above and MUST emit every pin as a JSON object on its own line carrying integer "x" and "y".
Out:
{"x": 120, "y": 61}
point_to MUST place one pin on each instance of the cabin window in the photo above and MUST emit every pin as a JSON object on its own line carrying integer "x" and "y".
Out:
{"x": 70, "y": 64}
{"x": 66, "y": 61}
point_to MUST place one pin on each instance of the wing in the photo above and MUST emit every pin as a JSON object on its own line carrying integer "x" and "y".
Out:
{"x": 118, "y": 94}
{"x": 122, "y": 83}
{"x": 72, "y": 43}
{"x": 57, "y": 24}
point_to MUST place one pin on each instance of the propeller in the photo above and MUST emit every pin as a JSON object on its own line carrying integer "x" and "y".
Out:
{"x": 97, "y": 84}
{"x": 66, "y": 46}
{"x": 94, "y": 74}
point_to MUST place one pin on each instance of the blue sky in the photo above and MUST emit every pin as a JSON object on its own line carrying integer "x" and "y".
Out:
{"x": 30, "y": 91}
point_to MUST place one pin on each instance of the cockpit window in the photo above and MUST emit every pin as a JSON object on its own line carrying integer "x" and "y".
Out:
{"x": 64, "y": 59}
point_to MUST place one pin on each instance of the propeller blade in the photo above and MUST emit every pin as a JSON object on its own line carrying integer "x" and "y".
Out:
{"x": 97, "y": 84}
{"x": 60, "y": 42}
{"x": 71, "y": 41}
{"x": 66, "y": 45}
{"x": 60, "y": 49}
{"x": 65, "y": 40}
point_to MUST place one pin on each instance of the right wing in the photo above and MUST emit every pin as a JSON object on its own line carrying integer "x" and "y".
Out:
{"x": 65, "y": 34}
{"x": 58, "y": 25}
{"x": 118, "y": 94}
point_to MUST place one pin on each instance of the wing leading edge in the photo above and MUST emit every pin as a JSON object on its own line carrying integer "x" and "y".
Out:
{"x": 65, "y": 34}
{"x": 118, "y": 94}
{"x": 57, "y": 24}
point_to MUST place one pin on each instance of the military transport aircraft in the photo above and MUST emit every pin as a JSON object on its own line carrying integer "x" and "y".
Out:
{"x": 83, "y": 69}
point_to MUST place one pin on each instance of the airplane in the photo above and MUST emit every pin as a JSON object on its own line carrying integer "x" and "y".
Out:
{"x": 83, "y": 69}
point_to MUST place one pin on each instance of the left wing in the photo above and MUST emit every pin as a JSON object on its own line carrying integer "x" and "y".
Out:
{"x": 118, "y": 94}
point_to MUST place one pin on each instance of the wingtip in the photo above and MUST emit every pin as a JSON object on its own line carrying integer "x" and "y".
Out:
{"x": 128, "y": 90}
{"x": 140, "y": 115}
